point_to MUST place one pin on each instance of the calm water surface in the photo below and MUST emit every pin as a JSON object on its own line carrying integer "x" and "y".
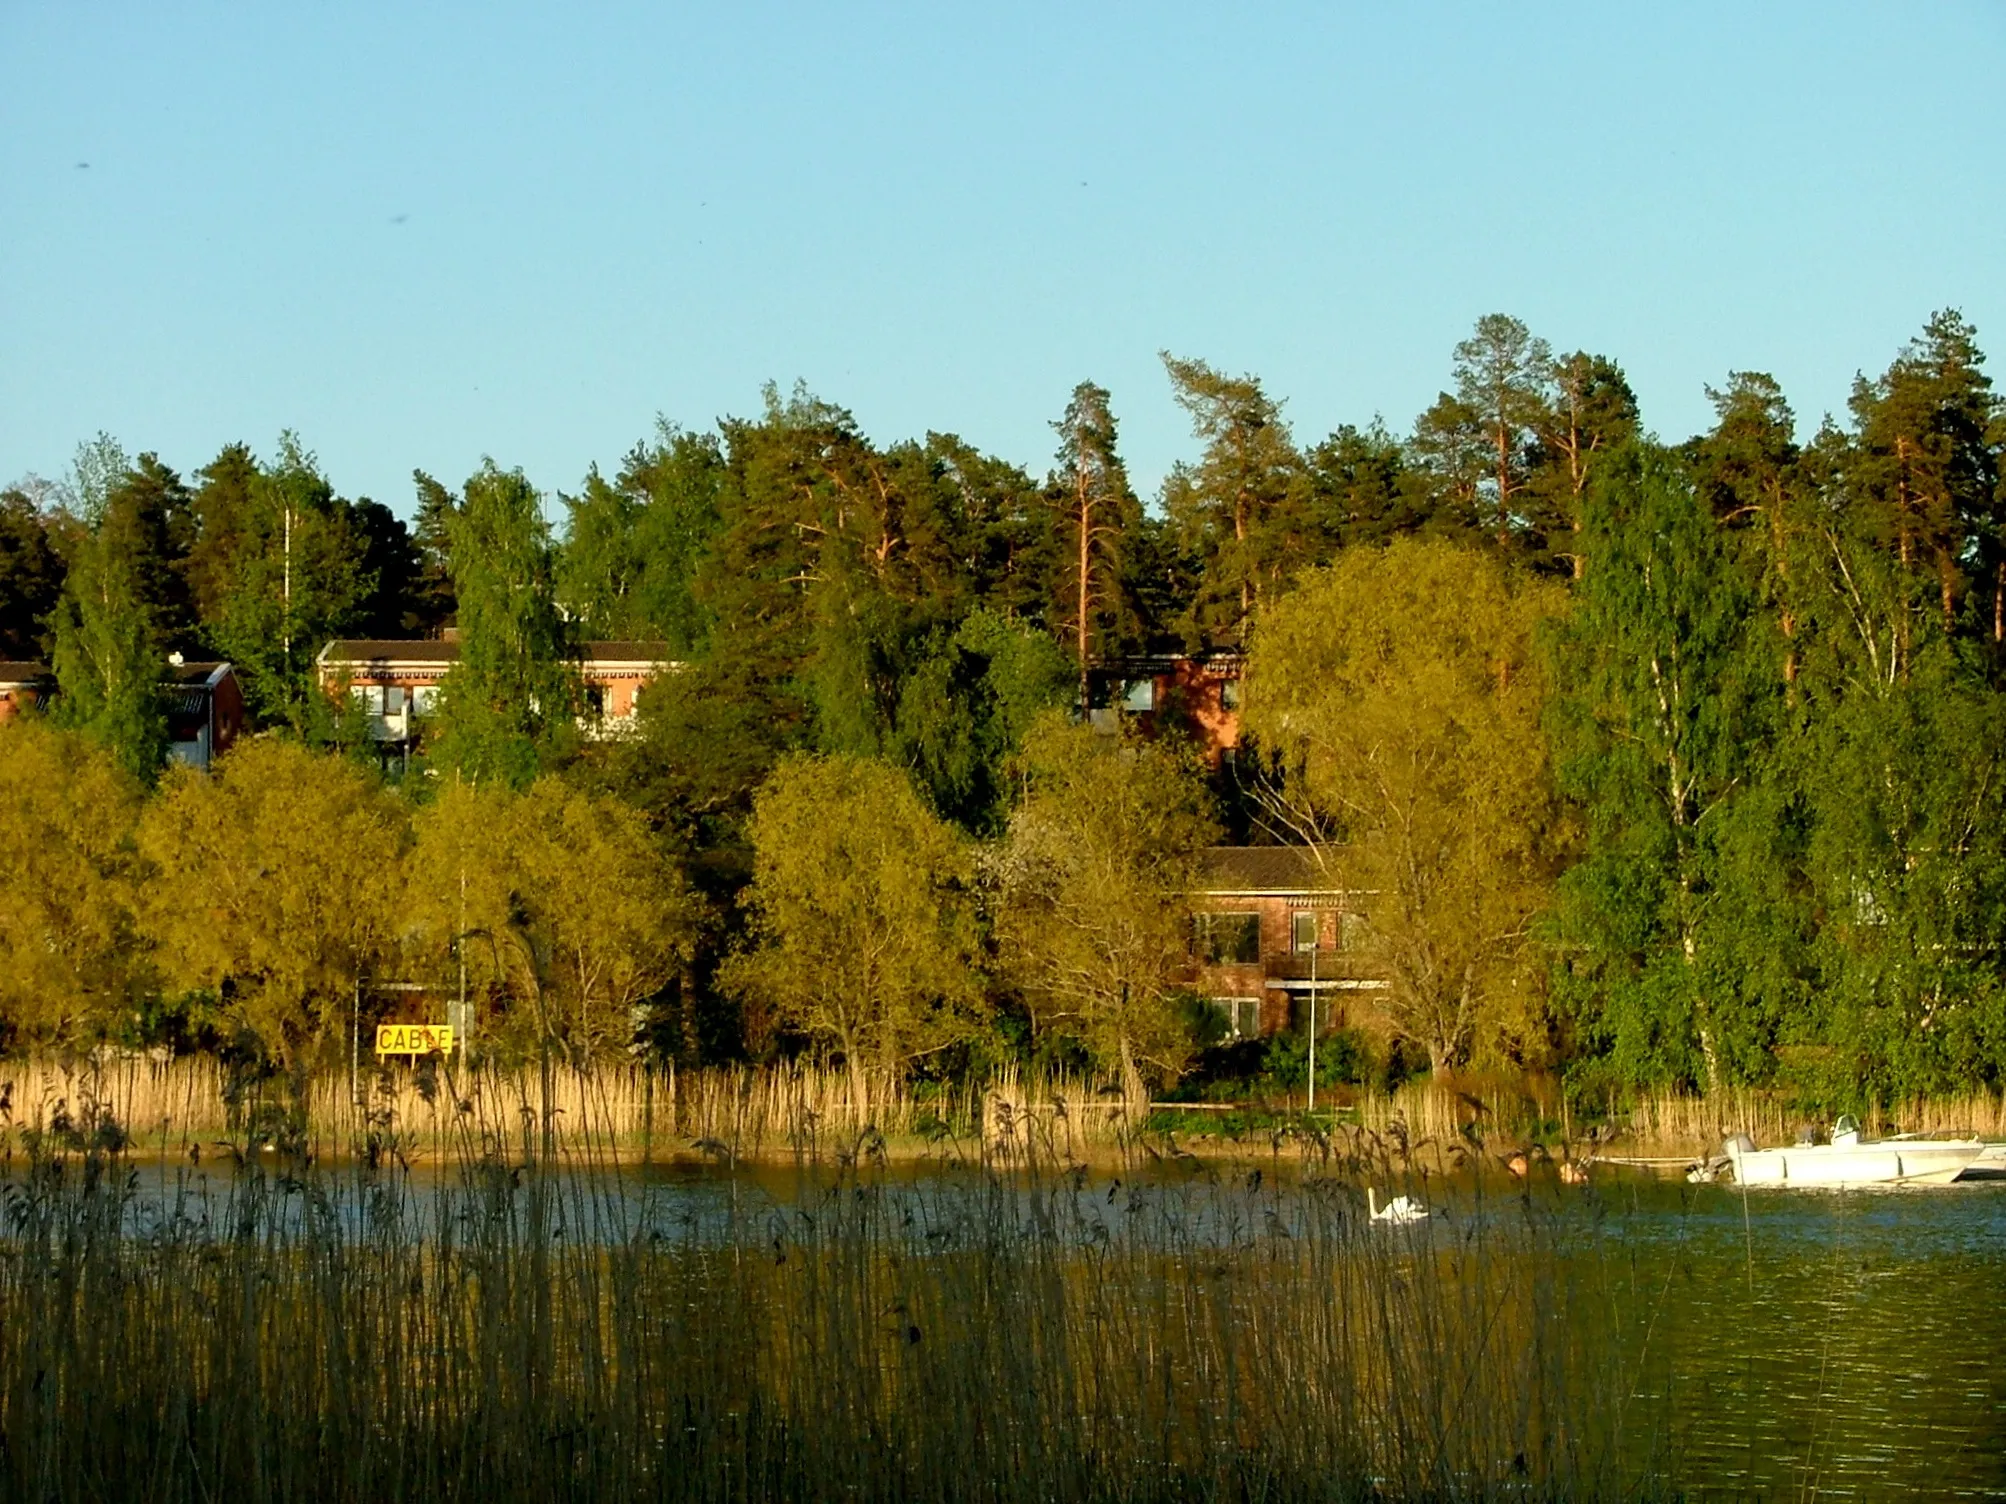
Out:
{"x": 1781, "y": 1343}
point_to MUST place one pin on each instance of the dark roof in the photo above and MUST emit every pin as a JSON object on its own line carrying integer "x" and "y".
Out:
{"x": 193, "y": 675}
{"x": 391, "y": 649}
{"x": 1262, "y": 869}
{"x": 447, "y": 650}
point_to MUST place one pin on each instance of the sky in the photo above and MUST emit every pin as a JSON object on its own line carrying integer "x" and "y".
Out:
{"x": 421, "y": 235}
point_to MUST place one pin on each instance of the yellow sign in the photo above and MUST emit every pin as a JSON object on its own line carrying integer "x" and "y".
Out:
{"x": 414, "y": 1039}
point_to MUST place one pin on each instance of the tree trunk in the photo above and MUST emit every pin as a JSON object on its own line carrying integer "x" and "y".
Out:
{"x": 860, "y": 1085}
{"x": 1131, "y": 1082}
{"x": 1084, "y": 584}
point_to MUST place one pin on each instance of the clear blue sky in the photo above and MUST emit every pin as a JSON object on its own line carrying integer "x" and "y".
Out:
{"x": 422, "y": 233}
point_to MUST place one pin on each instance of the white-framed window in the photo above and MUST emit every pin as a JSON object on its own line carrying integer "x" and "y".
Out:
{"x": 1138, "y": 695}
{"x": 1242, "y": 1015}
{"x": 1352, "y": 930}
{"x": 1226, "y": 939}
{"x": 1229, "y": 694}
{"x": 1302, "y": 929}
{"x": 422, "y": 698}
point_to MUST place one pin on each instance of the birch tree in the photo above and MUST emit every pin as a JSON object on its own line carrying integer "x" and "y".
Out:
{"x": 69, "y": 877}
{"x": 1678, "y": 918}
{"x": 1094, "y": 881}
{"x": 1401, "y": 691}
{"x": 863, "y": 923}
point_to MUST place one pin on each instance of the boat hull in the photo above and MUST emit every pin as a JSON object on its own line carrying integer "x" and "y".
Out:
{"x": 1895, "y": 1162}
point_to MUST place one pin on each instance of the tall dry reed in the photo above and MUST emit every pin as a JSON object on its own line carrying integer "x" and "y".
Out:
{"x": 506, "y": 1327}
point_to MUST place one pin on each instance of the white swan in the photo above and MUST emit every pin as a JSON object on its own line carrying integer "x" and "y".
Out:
{"x": 1400, "y": 1209}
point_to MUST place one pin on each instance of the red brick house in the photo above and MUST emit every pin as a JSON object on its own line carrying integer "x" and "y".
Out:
{"x": 23, "y": 687}
{"x": 205, "y": 711}
{"x": 1269, "y": 930}
{"x": 1196, "y": 694}
{"x": 396, "y": 680}
{"x": 203, "y": 701}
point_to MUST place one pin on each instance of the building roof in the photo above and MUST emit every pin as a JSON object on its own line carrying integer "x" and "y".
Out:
{"x": 192, "y": 678}
{"x": 1277, "y": 870}
{"x": 196, "y": 675}
{"x": 444, "y": 650}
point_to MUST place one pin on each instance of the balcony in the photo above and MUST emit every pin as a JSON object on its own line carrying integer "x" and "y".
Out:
{"x": 1327, "y": 968}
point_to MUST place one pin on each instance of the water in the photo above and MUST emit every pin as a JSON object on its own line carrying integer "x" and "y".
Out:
{"x": 1769, "y": 1342}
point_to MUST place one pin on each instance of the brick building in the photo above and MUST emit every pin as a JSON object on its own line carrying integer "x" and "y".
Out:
{"x": 1197, "y": 695}
{"x": 1269, "y": 930}
{"x": 397, "y": 680}
{"x": 203, "y": 701}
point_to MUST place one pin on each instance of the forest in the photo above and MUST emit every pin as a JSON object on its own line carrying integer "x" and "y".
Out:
{"x": 1665, "y": 763}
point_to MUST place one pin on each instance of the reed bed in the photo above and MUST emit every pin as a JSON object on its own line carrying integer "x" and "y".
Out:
{"x": 531, "y": 1324}
{"x": 189, "y": 1106}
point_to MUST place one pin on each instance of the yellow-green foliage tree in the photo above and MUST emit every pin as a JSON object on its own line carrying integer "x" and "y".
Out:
{"x": 70, "y": 963}
{"x": 274, "y": 886}
{"x": 1095, "y": 878}
{"x": 565, "y": 909}
{"x": 1403, "y": 692}
{"x": 862, "y": 917}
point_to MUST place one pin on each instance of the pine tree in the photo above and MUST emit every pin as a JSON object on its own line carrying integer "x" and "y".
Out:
{"x": 1098, "y": 515}
{"x": 1233, "y": 508}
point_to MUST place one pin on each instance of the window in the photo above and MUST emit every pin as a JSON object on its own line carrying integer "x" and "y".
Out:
{"x": 1226, "y": 939}
{"x": 367, "y": 697}
{"x": 1229, "y": 694}
{"x": 1241, "y": 1014}
{"x": 1302, "y": 929}
{"x": 393, "y": 699}
{"x": 1139, "y": 694}
{"x": 1351, "y": 931}
{"x": 595, "y": 699}
{"x": 422, "y": 698}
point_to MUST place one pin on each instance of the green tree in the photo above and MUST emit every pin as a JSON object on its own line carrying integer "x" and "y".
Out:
{"x": 1592, "y": 413}
{"x": 290, "y": 571}
{"x": 108, "y": 661}
{"x": 1401, "y": 692}
{"x": 274, "y": 889}
{"x": 1685, "y": 943}
{"x": 1233, "y": 506}
{"x": 863, "y": 924}
{"x": 1094, "y": 883}
{"x": 431, "y": 604}
{"x": 1923, "y": 469}
{"x": 145, "y": 517}
{"x": 632, "y": 545}
{"x": 964, "y": 709}
{"x": 1747, "y": 473}
{"x": 1481, "y": 443}
{"x": 222, "y": 506}
{"x": 31, "y": 576}
{"x": 1905, "y": 780}
{"x": 68, "y": 880}
{"x": 562, "y": 905}
{"x": 1098, "y": 516}
{"x": 509, "y": 706}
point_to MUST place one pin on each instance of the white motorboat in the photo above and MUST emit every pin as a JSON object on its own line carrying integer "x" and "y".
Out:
{"x": 1850, "y": 1159}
